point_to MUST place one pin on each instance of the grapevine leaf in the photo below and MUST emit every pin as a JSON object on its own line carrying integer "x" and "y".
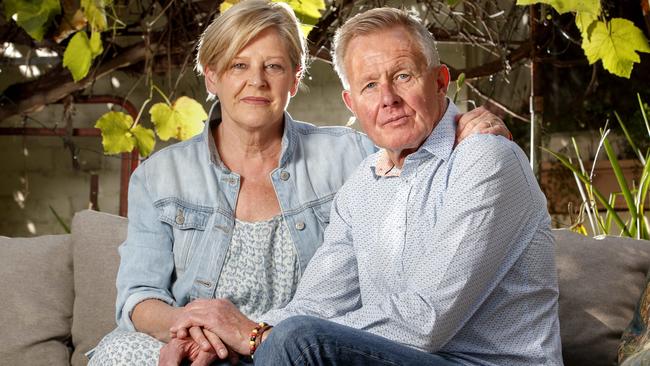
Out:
{"x": 116, "y": 137}
{"x": 119, "y": 137}
{"x": 32, "y": 16}
{"x": 182, "y": 120}
{"x": 565, "y": 6}
{"x": 308, "y": 12}
{"x": 95, "y": 13}
{"x": 78, "y": 56}
{"x": 95, "y": 44}
{"x": 145, "y": 139}
{"x": 586, "y": 23}
{"x": 616, "y": 46}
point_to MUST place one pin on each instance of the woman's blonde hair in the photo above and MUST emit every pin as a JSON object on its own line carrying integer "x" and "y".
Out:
{"x": 232, "y": 30}
{"x": 376, "y": 20}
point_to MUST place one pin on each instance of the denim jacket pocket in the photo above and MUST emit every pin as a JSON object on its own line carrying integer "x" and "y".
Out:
{"x": 322, "y": 211}
{"x": 188, "y": 222}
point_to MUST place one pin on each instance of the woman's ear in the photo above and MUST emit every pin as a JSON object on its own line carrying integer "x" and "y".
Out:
{"x": 296, "y": 82}
{"x": 210, "y": 79}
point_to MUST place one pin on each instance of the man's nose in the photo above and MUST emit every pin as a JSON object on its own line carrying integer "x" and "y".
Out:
{"x": 389, "y": 96}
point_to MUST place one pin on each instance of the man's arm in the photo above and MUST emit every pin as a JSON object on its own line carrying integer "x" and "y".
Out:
{"x": 329, "y": 286}
{"x": 489, "y": 212}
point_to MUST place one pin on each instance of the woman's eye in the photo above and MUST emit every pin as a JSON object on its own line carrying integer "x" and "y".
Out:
{"x": 275, "y": 67}
{"x": 239, "y": 66}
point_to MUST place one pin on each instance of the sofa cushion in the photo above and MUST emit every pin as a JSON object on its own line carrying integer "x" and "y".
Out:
{"x": 95, "y": 237}
{"x": 600, "y": 283}
{"x": 37, "y": 295}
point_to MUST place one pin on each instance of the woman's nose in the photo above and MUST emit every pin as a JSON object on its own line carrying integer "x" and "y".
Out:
{"x": 257, "y": 78}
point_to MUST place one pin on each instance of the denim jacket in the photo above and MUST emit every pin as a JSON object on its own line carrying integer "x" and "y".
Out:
{"x": 182, "y": 202}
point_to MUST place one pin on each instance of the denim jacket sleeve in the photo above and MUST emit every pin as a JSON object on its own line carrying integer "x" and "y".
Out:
{"x": 147, "y": 261}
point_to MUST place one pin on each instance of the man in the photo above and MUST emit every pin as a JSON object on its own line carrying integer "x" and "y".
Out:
{"x": 434, "y": 255}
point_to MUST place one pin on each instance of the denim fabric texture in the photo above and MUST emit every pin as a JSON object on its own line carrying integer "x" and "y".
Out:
{"x": 182, "y": 201}
{"x": 454, "y": 255}
{"x": 305, "y": 340}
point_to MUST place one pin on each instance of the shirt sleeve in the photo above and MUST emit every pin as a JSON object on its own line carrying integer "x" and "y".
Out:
{"x": 146, "y": 257}
{"x": 484, "y": 221}
{"x": 330, "y": 285}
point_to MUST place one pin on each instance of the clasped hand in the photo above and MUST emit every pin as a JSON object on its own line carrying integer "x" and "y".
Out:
{"x": 207, "y": 330}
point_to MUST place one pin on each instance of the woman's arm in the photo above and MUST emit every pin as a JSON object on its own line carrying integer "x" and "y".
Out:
{"x": 155, "y": 317}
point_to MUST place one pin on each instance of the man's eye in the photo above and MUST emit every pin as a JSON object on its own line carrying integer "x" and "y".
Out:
{"x": 404, "y": 77}
{"x": 371, "y": 85}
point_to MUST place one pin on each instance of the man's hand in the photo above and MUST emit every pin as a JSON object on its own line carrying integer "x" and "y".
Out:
{"x": 218, "y": 316}
{"x": 480, "y": 120}
{"x": 177, "y": 350}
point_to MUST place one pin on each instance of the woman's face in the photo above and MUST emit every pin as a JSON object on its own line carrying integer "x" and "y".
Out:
{"x": 257, "y": 84}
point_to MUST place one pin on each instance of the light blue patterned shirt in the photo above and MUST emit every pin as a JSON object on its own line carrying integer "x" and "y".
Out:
{"x": 454, "y": 255}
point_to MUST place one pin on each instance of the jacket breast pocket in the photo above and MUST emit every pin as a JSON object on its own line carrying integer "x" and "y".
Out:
{"x": 188, "y": 222}
{"x": 322, "y": 211}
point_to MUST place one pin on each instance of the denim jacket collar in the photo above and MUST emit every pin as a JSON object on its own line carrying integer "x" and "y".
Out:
{"x": 214, "y": 118}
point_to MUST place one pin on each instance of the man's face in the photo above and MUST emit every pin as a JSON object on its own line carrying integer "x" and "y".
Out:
{"x": 393, "y": 93}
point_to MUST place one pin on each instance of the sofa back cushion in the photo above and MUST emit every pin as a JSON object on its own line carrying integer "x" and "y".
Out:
{"x": 95, "y": 237}
{"x": 600, "y": 283}
{"x": 37, "y": 295}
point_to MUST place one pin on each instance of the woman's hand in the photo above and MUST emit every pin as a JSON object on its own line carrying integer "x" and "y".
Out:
{"x": 480, "y": 120}
{"x": 177, "y": 350}
{"x": 218, "y": 316}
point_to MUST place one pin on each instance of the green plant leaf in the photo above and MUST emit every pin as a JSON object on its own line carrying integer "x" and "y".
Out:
{"x": 564, "y": 6}
{"x": 95, "y": 13}
{"x": 116, "y": 135}
{"x": 95, "y": 44}
{"x": 33, "y": 16}
{"x": 181, "y": 120}
{"x": 78, "y": 55}
{"x": 119, "y": 135}
{"x": 616, "y": 46}
{"x": 453, "y": 3}
{"x": 145, "y": 139}
{"x": 586, "y": 21}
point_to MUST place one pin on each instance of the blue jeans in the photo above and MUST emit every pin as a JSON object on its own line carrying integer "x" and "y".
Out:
{"x": 305, "y": 340}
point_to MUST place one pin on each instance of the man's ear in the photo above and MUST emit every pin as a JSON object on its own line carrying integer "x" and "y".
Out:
{"x": 442, "y": 79}
{"x": 347, "y": 99}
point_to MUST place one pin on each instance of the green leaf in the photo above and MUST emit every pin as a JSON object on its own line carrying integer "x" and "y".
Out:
{"x": 586, "y": 22}
{"x": 119, "y": 135}
{"x": 116, "y": 135}
{"x": 145, "y": 140}
{"x": 616, "y": 46}
{"x": 182, "y": 120}
{"x": 78, "y": 55}
{"x": 95, "y": 13}
{"x": 564, "y": 6}
{"x": 33, "y": 16}
{"x": 453, "y": 3}
{"x": 95, "y": 45}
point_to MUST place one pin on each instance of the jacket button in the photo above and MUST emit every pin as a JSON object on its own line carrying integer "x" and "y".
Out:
{"x": 180, "y": 219}
{"x": 300, "y": 225}
{"x": 284, "y": 175}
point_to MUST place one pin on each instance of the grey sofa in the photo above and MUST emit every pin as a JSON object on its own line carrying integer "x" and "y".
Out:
{"x": 58, "y": 292}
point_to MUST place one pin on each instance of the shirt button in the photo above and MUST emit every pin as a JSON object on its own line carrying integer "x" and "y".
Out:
{"x": 180, "y": 219}
{"x": 284, "y": 175}
{"x": 300, "y": 225}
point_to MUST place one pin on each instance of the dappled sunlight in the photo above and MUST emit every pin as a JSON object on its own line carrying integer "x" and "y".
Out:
{"x": 31, "y": 227}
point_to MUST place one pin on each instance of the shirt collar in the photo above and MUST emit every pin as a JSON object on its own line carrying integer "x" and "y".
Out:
{"x": 214, "y": 118}
{"x": 439, "y": 143}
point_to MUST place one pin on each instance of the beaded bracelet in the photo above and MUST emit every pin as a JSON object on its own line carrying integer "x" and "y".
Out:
{"x": 256, "y": 336}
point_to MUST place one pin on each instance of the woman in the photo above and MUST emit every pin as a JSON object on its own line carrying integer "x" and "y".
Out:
{"x": 238, "y": 211}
